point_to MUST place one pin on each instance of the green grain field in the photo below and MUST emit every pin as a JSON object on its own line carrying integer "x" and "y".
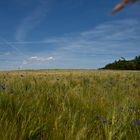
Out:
{"x": 70, "y": 105}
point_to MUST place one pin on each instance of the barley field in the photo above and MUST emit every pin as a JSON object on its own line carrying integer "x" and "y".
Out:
{"x": 69, "y": 105}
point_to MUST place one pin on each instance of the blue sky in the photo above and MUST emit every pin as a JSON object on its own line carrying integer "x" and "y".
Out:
{"x": 63, "y": 34}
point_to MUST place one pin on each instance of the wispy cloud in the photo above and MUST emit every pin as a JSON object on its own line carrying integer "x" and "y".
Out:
{"x": 109, "y": 33}
{"x": 89, "y": 49}
{"x": 115, "y": 31}
{"x": 100, "y": 45}
{"x": 32, "y": 20}
{"x": 7, "y": 53}
{"x": 12, "y": 46}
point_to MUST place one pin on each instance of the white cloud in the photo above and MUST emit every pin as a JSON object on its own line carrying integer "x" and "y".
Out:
{"x": 34, "y": 59}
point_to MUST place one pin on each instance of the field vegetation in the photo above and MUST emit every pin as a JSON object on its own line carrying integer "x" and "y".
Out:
{"x": 70, "y": 105}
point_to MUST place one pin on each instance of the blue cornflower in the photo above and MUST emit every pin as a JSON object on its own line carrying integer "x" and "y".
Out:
{"x": 2, "y": 87}
{"x": 135, "y": 122}
{"x": 138, "y": 85}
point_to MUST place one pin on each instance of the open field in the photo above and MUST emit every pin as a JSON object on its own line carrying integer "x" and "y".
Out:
{"x": 70, "y": 105}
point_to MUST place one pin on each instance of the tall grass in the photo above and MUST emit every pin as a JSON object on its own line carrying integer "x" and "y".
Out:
{"x": 78, "y": 106}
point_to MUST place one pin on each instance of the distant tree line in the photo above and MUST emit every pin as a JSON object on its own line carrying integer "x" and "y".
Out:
{"x": 123, "y": 64}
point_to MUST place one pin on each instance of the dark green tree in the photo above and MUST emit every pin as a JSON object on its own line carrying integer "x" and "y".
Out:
{"x": 123, "y": 64}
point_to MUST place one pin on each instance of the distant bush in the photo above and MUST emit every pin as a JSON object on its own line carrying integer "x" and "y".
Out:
{"x": 123, "y": 64}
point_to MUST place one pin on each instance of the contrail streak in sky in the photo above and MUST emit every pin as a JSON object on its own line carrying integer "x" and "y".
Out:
{"x": 13, "y": 47}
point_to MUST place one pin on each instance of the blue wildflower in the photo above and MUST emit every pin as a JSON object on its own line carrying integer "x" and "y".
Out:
{"x": 138, "y": 85}
{"x": 2, "y": 87}
{"x": 135, "y": 122}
